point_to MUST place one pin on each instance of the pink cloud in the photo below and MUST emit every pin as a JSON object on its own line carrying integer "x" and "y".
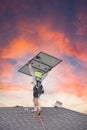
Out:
{"x": 71, "y": 83}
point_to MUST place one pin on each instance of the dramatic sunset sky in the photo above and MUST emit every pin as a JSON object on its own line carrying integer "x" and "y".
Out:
{"x": 56, "y": 27}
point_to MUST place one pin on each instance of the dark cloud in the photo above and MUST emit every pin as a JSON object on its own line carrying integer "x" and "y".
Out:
{"x": 59, "y": 13}
{"x": 80, "y": 20}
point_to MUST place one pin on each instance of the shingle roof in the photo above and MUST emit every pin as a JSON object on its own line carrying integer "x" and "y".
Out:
{"x": 19, "y": 118}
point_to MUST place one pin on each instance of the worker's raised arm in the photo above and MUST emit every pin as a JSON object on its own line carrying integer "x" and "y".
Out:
{"x": 32, "y": 73}
{"x": 44, "y": 76}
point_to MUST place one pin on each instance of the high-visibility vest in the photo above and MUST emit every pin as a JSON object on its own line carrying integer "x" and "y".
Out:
{"x": 38, "y": 74}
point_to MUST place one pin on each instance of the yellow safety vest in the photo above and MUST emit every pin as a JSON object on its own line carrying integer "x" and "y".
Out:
{"x": 38, "y": 74}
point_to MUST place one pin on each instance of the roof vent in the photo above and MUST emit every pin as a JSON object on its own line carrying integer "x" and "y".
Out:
{"x": 57, "y": 104}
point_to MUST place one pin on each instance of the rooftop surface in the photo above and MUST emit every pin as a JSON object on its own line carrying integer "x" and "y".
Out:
{"x": 21, "y": 118}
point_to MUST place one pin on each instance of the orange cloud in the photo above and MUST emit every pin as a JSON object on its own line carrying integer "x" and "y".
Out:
{"x": 58, "y": 42}
{"x": 75, "y": 88}
{"x": 13, "y": 87}
{"x": 40, "y": 37}
{"x": 61, "y": 42}
{"x": 6, "y": 69}
{"x": 9, "y": 87}
{"x": 17, "y": 48}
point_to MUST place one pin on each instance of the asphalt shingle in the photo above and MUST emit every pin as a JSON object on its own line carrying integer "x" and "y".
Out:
{"x": 19, "y": 118}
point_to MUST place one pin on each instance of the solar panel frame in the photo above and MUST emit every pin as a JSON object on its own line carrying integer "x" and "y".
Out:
{"x": 41, "y": 62}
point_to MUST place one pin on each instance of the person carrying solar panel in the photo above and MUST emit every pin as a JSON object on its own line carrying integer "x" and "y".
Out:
{"x": 38, "y": 77}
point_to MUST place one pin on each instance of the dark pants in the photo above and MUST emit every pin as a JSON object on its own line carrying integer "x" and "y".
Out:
{"x": 37, "y": 91}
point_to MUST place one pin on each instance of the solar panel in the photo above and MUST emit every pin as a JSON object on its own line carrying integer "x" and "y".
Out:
{"x": 41, "y": 62}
